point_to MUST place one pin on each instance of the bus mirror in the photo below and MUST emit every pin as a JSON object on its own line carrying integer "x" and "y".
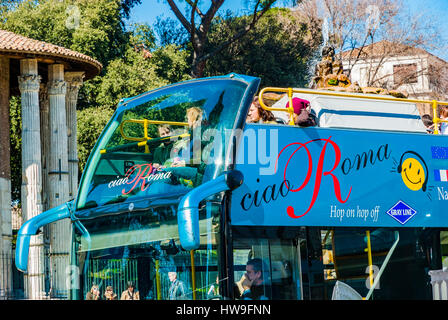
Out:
{"x": 31, "y": 228}
{"x": 188, "y": 209}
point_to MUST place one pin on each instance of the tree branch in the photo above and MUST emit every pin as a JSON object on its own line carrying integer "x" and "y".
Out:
{"x": 255, "y": 17}
{"x": 180, "y": 16}
{"x": 207, "y": 19}
{"x": 195, "y": 8}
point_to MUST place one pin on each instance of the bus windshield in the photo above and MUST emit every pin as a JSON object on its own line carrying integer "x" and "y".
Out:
{"x": 166, "y": 141}
{"x": 143, "y": 247}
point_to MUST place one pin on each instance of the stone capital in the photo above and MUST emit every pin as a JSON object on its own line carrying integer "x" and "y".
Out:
{"x": 74, "y": 82}
{"x": 57, "y": 87}
{"x": 74, "y": 77}
{"x": 29, "y": 83}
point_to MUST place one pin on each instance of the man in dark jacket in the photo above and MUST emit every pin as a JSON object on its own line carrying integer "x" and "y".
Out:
{"x": 254, "y": 282}
{"x": 178, "y": 289}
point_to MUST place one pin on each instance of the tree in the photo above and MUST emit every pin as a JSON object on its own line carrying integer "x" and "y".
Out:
{"x": 198, "y": 31}
{"x": 136, "y": 73}
{"x": 96, "y": 29}
{"x": 132, "y": 63}
{"x": 15, "y": 137}
{"x": 277, "y": 49}
{"x": 352, "y": 27}
{"x": 91, "y": 122}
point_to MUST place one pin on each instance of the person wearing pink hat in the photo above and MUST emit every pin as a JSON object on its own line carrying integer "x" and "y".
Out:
{"x": 301, "y": 115}
{"x": 298, "y": 104}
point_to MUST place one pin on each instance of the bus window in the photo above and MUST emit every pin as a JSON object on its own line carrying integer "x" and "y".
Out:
{"x": 143, "y": 246}
{"x": 405, "y": 275}
{"x": 271, "y": 266}
{"x": 444, "y": 248}
{"x": 163, "y": 142}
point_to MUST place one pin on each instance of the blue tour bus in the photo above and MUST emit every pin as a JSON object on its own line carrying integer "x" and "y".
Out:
{"x": 179, "y": 182}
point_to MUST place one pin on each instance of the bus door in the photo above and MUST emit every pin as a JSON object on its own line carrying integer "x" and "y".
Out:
{"x": 280, "y": 252}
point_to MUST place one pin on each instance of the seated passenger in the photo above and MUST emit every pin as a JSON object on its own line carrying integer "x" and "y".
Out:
{"x": 427, "y": 121}
{"x": 444, "y": 116}
{"x": 94, "y": 293}
{"x": 109, "y": 294}
{"x": 213, "y": 292}
{"x": 162, "y": 152}
{"x": 302, "y": 117}
{"x": 253, "y": 282}
{"x": 130, "y": 293}
{"x": 257, "y": 114}
{"x": 194, "y": 117}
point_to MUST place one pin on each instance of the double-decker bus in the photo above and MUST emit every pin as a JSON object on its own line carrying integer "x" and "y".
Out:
{"x": 179, "y": 182}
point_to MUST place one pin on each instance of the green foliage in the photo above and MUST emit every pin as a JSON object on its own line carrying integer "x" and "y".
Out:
{"x": 136, "y": 73}
{"x": 126, "y": 77}
{"x": 170, "y": 31}
{"x": 15, "y": 118}
{"x": 132, "y": 63}
{"x": 91, "y": 122}
{"x": 143, "y": 37}
{"x": 91, "y": 27}
{"x": 277, "y": 49}
{"x": 172, "y": 63}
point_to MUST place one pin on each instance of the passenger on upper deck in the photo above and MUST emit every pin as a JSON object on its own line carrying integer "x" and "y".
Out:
{"x": 302, "y": 117}
{"x": 257, "y": 114}
{"x": 194, "y": 117}
{"x": 444, "y": 116}
{"x": 162, "y": 152}
{"x": 429, "y": 124}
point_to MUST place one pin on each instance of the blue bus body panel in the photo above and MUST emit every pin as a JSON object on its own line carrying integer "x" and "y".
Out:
{"x": 340, "y": 178}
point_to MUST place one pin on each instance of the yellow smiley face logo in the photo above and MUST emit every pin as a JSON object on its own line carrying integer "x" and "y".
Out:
{"x": 413, "y": 174}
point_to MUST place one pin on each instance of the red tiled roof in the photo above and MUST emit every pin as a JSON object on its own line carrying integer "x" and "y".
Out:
{"x": 16, "y": 44}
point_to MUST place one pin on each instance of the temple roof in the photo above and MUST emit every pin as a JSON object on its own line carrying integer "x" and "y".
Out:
{"x": 17, "y": 46}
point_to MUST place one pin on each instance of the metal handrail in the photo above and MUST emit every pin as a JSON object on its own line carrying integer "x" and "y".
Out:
{"x": 145, "y": 123}
{"x": 290, "y": 110}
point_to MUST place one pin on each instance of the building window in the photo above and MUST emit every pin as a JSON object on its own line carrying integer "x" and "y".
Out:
{"x": 405, "y": 73}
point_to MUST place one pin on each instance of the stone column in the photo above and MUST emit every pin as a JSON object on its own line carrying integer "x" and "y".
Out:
{"x": 45, "y": 143}
{"x": 31, "y": 173}
{"x": 5, "y": 182}
{"x": 74, "y": 82}
{"x": 58, "y": 187}
{"x": 45, "y": 139}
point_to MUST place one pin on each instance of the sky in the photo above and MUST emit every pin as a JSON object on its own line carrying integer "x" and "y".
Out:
{"x": 436, "y": 10}
{"x": 149, "y": 9}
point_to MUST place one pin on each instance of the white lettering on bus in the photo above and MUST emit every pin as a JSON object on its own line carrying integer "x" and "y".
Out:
{"x": 152, "y": 177}
{"x": 442, "y": 193}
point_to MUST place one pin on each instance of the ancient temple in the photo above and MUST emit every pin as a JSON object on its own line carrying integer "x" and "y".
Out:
{"x": 48, "y": 78}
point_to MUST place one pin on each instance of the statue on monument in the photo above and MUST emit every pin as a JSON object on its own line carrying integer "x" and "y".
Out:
{"x": 329, "y": 72}
{"x": 329, "y": 75}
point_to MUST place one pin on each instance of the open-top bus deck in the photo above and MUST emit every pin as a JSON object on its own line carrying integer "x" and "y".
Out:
{"x": 179, "y": 182}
